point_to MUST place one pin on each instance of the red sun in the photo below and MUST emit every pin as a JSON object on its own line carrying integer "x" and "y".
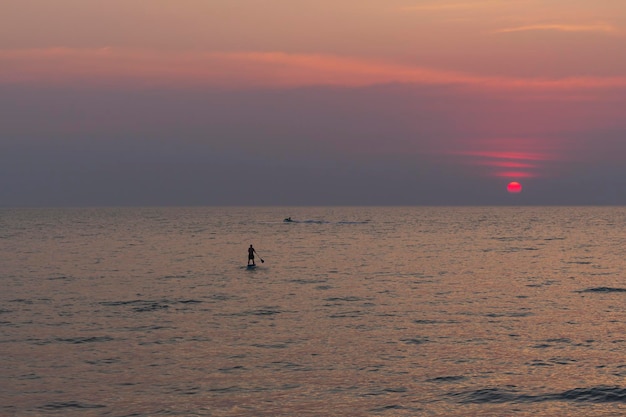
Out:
{"x": 514, "y": 187}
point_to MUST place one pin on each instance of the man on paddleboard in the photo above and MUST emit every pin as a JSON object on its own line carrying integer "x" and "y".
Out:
{"x": 251, "y": 253}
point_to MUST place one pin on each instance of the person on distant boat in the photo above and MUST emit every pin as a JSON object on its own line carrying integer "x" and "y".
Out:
{"x": 251, "y": 253}
{"x": 288, "y": 219}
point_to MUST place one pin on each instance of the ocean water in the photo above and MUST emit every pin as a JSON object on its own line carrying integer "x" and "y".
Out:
{"x": 407, "y": 311}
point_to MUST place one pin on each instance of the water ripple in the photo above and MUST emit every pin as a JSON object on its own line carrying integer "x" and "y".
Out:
{"x": 140, "y": 306}
{"x": 71, "y": 340}
{"x": 603, "y": 290}
{"x": 600, "y": 394}
{"x": 58, "y": 406}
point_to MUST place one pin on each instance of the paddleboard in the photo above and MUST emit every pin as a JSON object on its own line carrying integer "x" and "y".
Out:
{"x": 250, "y": 266}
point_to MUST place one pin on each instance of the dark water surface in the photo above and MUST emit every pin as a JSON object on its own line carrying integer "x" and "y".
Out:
{"x": 355, "y": 312}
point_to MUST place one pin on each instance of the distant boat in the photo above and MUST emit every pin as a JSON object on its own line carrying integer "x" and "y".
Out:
{"x": 288, "y": 220}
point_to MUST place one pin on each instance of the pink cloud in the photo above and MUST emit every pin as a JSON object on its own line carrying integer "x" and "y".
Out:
{"x": 507, "y": 155}
{"x": 512, "y": 158}
{"x": 509, "y": 165}
{"x": 561, "y": 27}
{"x": 254, "y": 69}
{"x": 449, "y": 6}
{"x": 515, "y": 174}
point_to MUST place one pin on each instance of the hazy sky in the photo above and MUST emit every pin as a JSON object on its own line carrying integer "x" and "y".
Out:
{"x": 312, "y": 102}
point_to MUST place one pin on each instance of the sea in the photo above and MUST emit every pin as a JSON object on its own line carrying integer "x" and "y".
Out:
{"x": 351, "y": 311}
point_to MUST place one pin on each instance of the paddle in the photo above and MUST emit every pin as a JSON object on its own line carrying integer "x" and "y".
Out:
{"x": 262, "y": 261}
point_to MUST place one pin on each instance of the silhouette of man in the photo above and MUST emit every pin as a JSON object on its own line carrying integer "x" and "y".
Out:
{"x": 251, "y": 253}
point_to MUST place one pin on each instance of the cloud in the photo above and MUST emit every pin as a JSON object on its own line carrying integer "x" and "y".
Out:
{"x": 513, "y": 157}
{"x": 508, "y": 164}
{"x": 450, "y": 6}
{"x": 240, "y": 70}
{"x": 599, "y": 28}
{"x": 520, "y": 156}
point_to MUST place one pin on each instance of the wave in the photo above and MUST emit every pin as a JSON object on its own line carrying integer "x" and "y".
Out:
{"x": 57, "y": 406}
{"x": 599, "y": 394}
{"x": 603, "y": 289}
{"x": 326, "y": 222}
{"x": 140, "y": 306}
{"x": 71, "y": 340}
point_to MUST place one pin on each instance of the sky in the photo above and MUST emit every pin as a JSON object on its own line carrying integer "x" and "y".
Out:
{"x": 312, "y": 102}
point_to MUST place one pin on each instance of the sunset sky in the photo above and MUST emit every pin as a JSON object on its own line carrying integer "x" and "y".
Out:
{"x": 312, "y": 102}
